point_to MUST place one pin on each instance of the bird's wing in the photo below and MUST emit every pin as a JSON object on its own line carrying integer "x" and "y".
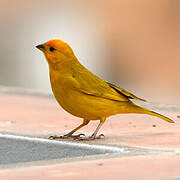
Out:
{"x": 88, "y": 83}
{"x": 124, "y": 92}
{"x": 103, "y": 93}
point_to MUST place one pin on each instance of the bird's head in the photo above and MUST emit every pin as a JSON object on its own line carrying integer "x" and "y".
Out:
{"x": 56, "y": 51}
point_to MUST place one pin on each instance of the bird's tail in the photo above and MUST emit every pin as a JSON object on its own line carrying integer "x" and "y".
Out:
{"x": 147, "y": 111}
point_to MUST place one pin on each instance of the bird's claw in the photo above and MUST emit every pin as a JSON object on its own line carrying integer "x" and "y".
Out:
{"x": 55, "y": 137}
{"x": 67, "y": 136}
{"x": 101, "y": 136}
{"x": 90, "y": 138}
{"x": 96, "y": 137}
{"x": 78, "y": 137}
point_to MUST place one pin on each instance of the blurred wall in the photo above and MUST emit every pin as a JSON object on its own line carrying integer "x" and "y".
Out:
{"x": 134, "y": 43}
{"x": 25, "y": 24}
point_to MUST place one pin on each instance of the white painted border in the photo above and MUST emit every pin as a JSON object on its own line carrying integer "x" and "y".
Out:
{"x": 80, "y": 145}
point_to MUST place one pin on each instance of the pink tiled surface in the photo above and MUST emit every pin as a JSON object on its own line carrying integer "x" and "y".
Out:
{"x": 125, "y": 168}
{"x": 39, "y": 116}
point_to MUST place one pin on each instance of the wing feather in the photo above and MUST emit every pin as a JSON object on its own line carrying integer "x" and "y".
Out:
{"x": 124, "y": 92}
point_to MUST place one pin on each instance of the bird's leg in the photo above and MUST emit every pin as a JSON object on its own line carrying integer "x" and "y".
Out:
{"x": 70, "y": 134}
{"x": 93, "y": 136}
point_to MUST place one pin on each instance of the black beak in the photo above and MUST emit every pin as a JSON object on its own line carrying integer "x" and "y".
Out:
{"x": 41, "y": 47}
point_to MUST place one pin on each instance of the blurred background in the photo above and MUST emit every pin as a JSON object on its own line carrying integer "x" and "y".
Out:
{"x": 132, "y": 43}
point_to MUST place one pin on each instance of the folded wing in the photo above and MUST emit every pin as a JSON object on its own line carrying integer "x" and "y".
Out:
{"x": 88, "y": 83}
{"x": 124, "y": 92}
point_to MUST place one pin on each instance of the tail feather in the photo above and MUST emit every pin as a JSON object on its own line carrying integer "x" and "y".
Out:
{"x": 158, "y": 115}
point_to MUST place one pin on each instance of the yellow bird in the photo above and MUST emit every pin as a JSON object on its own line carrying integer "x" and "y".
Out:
{"x": 82, "y": 93}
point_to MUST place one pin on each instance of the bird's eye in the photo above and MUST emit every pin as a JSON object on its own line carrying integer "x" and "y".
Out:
{"x": 51, "y": 49}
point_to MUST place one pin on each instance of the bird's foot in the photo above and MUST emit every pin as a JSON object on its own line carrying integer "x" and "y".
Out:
{"x": 67, "y": 136}
{"x": 93, "y": 136}
{"x": 90, "y": 138}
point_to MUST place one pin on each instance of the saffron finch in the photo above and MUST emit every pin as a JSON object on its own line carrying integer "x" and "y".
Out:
{"x": 82, "y": 93}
